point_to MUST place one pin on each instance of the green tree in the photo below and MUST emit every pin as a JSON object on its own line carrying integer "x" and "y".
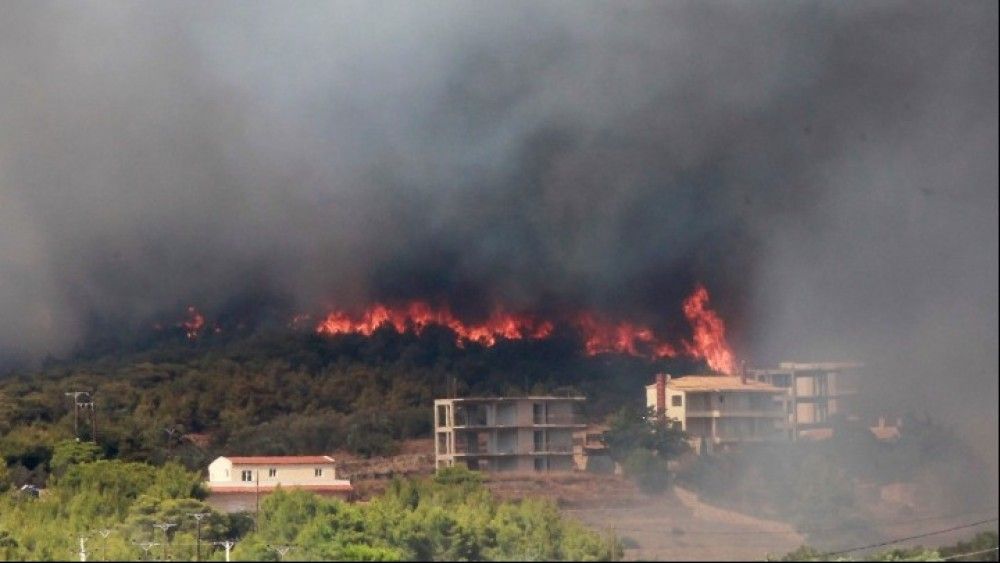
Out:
{"x": 69, "y": 452}
{"x": 630, "y": 429}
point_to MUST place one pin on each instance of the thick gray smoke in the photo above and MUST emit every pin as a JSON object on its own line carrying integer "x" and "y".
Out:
{"x": 828, "y": 170}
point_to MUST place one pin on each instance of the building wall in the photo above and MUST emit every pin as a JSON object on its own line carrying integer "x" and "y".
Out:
{"x": 220, "y": 470}
{"x": 247, "y": 502}
{"x": 723, "y": 416}
{"x": 677, "y": 412}
{"x": 651, "y": 396}
{"x": 286, "y": 474}
{"x": 506, "y": 437}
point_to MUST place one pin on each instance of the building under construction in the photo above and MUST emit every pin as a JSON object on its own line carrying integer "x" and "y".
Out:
{"x": 507, "y": 433}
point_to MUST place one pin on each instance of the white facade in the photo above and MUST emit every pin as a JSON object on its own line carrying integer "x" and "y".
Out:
{"x": 236, "y": 483}
{"x": 271, "y": 471}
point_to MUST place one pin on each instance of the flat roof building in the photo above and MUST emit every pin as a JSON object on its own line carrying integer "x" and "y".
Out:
{"x": 506, "y": 433}
{"x": 718, "y": 411}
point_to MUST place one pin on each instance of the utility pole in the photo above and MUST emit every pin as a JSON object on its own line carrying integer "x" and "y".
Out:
{"x": 170, "y": 431}
{"x": 83, "y": 548}
{"x": 199, "y": 516}
{"x": 281, "y": 550}
{"x": 146, "y": 546}
{"x": 228, "y": 544}
{"x": 76, "y": 410}
{"x": 256, "y": 509}
{"x": 166, "y": 540}
{"x": 104, "y": 534}
{"x": 92, "y": 405}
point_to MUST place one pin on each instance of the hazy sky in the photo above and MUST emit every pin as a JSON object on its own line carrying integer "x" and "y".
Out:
{"x": 828, "y": 170}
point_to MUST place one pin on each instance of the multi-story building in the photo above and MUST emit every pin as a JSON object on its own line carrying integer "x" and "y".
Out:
{"x": 506, "y": 433}
{"x": 236, "y": 483}
{"x": 718, "y": 411}
{"x": 816, "y": 394}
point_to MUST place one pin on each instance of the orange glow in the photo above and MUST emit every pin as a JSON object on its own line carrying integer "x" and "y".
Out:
{"x": 600, "y": 335}
{"x": 194, "y": 323}
{"x": 419, "y": 315}
{"x": 709, "y": 333}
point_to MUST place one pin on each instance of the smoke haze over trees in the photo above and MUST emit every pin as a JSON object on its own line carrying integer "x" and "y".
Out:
{"x": 829, "y": 171}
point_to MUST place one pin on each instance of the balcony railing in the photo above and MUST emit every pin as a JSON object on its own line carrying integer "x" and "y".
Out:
{"x": 553, "y": 449}
{"x": 557, "y": 420}
{"x": 716, "y": 413}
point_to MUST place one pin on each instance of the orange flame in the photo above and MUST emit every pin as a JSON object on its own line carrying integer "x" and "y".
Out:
{"x": 194, "y": 323}
{"x": 419, "y": 315}
{"x": 709, "y": 333}
{"x": 624, "y": 338}
{"x": 600, "y": 336}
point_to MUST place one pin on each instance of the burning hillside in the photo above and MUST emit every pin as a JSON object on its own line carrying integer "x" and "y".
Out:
{"x": 600, "y": 335}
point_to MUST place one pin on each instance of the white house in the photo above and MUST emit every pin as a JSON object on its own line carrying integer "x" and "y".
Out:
{"x": 236, "y": 483}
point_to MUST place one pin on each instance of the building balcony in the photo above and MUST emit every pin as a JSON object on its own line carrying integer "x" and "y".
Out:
{"x": 736, "y": 413}
{"x": 811, "y": 398}
{"x": 729, "y": 438}
{"x": 551, "y": 422}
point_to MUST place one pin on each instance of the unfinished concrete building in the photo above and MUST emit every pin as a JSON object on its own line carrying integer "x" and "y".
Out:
{"x": 506, "y": 434}
{"x": 815, "y": 394}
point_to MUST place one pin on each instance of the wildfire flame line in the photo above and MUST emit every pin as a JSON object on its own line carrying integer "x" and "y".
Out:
{"x": 600, "y": 336}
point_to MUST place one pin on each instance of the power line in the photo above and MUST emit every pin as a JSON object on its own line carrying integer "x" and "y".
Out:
{"x": 823, "y": 530}
{"x": 918, "y": 536}
{"x": 969, "y": 554}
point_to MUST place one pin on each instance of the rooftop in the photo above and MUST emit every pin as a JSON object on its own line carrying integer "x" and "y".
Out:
{"x": 832, "y": 366}
{"x": 717, "y": 383}
{"x": 280, "y": 459}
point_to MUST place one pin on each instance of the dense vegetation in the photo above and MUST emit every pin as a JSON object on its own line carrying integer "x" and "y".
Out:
{"x": 449, "y": 517}
{"x": 287, "y": 392}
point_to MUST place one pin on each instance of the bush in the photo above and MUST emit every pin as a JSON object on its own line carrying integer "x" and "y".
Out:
{"x": 647, "y": 470}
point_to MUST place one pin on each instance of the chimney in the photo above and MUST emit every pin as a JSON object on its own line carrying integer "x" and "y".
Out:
{"x": 661, "y": 395}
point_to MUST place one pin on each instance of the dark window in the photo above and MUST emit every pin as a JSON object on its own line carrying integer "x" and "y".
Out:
{"x": 538, "y": 410}
{"x": 539, "y": 441}
{"x": 541, "y": 464}
{"x": 272, "y": 472}
{"x": 319, "y": 472}
{"x": 677, "y": 401}
{"x": 246, "y": 475}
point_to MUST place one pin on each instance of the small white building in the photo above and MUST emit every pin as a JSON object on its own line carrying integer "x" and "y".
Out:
{"x": 236, "y": 483}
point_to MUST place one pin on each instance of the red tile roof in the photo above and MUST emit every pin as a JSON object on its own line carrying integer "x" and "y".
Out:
{"x": 281, "y": 459}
